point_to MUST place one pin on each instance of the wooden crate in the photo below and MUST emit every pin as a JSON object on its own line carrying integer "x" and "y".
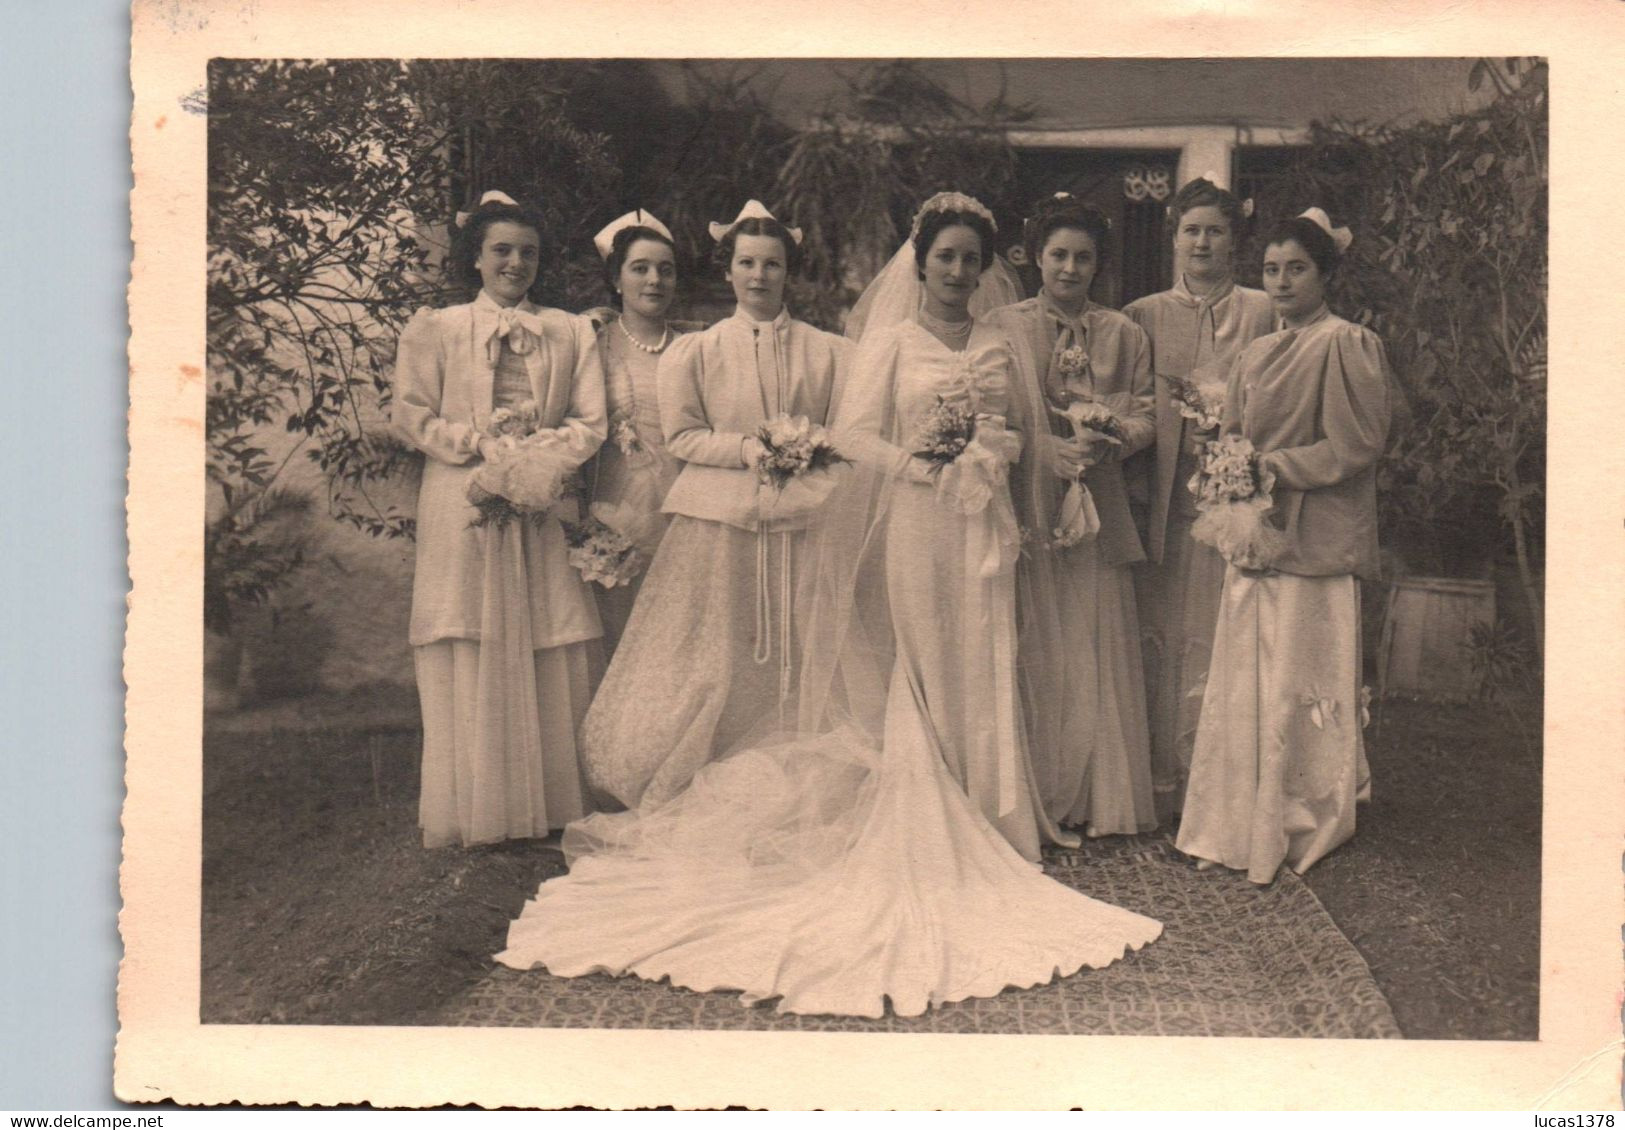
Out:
{"x": 1426, "y": 646}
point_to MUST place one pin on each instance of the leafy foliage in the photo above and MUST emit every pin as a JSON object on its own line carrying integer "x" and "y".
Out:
{"x": 1503, "y": 664}
{"x": 855, "y": 177}
{"x": 726, "y": 148}
{"x": 250, "y": 552}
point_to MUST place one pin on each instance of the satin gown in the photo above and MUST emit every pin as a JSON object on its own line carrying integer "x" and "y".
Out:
{"x": 1280, "y": 763}
{"x": 1102, "y": 782}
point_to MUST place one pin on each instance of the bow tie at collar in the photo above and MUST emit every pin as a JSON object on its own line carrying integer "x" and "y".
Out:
{"x": 521, "y": 329}
{"x": 1073, "y": 322}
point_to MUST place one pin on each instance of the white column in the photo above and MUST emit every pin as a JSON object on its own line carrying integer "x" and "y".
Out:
{"x": 1207, "y": 150}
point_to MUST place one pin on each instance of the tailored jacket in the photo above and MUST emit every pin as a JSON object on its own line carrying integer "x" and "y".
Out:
{"x": 1196, "y": 338}
{"x": 1120, "y": 364}
{"x": 717, "y": 387}
{"x": 1316, "y": 402}
{"x": 444, "y": 374}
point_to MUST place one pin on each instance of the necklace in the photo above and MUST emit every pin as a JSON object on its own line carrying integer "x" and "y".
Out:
{"x": 945, "y": 329}
{"x": 665, "y": 337}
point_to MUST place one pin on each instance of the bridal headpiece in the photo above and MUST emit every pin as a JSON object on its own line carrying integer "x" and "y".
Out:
{"x": 753, "y": 210}
{"x": 492, "y": 197}
{"x": 636, "y": 218}
{"x": 1341, "y": 237}
{"x": 951, "y": 202}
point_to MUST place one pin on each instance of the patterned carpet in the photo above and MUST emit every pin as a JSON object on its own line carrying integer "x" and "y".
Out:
{"x": 1234, "y": 960}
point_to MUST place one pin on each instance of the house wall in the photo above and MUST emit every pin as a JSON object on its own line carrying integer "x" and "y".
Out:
{"x": 1122, "y": 94}
{"x": 1205, "y": 108}
{"x": 342, "y": 622}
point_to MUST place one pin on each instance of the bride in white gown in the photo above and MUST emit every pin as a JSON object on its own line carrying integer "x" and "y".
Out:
{"x": 887, "y": 850}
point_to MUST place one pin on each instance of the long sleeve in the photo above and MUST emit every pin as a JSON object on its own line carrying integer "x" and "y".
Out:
{"x": 865, "y": 406}
{"x": 1140, "y": 422}
{"x": 689, "y": 434}
{"x": 1017, "y": 409}
{"x": 586, "y": 423}
{"x": 844, "y": 352}
{"x": 419, "y": 384}
{"x": 1235, "y": 395}
{"x": 1354, "y": 414}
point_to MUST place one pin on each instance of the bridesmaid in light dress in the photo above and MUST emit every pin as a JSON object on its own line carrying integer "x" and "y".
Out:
{"x": 1280, "y": 761}
{"x": 1196, "y": 329}
{"x": 504, "y": 631}
{"x": 629, "y": 477}
{"x": 1090, "y": 739}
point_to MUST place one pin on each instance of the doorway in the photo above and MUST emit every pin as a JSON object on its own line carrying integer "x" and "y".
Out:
{"x": 1132, "y": 187}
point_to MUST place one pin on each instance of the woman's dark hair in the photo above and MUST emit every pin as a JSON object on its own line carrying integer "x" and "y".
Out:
{"x": 1063, "y": 210}
{"x": 619, "y": 247}
{"x": 932, "y": 225}
{"x": 467, "y": 240}
{"x": 1312, "y": 237}
{"x": 1203, "y": 193}
{"x": 759, "y": 225}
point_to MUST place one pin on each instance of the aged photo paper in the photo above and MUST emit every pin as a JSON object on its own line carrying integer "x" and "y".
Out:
{"x": 164, "y": 1052}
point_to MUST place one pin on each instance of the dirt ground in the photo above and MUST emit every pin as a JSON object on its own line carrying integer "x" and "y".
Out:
{"x": 319, "y": 905}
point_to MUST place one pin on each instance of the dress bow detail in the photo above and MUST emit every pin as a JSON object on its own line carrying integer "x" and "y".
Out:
{"x": 521, "y": 330}
{"x": 971, "y": 381}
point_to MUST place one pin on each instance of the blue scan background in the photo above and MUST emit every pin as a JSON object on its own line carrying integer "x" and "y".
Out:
{"x": 64, "y": 228}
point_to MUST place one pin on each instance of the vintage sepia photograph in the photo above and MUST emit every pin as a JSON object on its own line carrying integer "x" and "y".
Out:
{"x": 886, "y": 545}
{"x": 896, "y": 545}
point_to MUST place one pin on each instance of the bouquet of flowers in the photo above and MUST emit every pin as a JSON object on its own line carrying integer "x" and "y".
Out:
{"x": 792, "y": 446}
{"x": 602, "y": 548}
{"x": 518, "y": 421}
{"x": 1091, "y": 422}
{"x": 526, "y": 479}
{"x": 967, "y": 453}
{"x": 1201, "y": 402}
{"x": 943, "y": 433}
{"x": 1232, "y": 489}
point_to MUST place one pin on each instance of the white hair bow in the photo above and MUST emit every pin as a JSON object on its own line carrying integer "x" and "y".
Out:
{"x": 1341, "y": 237}
{"x": 493, "y": 196}
{"x": 636, "y": 218}
{"x": 753, "y": 210}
